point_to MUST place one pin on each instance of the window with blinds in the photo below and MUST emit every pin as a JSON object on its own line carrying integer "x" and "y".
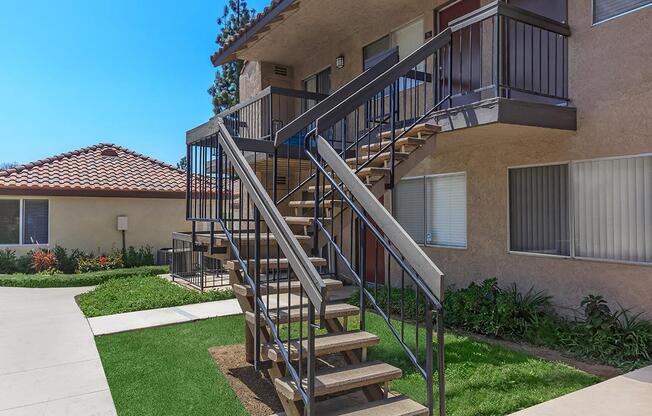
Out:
{"x": 410, "y": 211}
{"x": 35, "y": 221}
{"x": 446, "y": 210}
{"x": 432, "y": 209}
{"x": 539, "y": 210}
{"x": 613, "y": 209}
{"x": 608, "y": 9}
{"x": 9, "y": 221}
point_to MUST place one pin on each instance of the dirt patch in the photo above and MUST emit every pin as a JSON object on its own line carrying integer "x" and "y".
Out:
{"x": 255, "y": 390}
{"x": 600, "y": 370}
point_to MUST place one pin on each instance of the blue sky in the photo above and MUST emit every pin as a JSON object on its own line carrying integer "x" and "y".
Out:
{"x": 78, "y": 72}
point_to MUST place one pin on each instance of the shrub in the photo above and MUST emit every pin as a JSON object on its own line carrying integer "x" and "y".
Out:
{"x": 43, "y": 261}
{"x": 24, "y": 264}
{"x": 94, "y": 264}
{"x": 618, "y": 338}
{"x": 67, "y": 263}
{"x": 487, "y": 309}
{"x": 137, "y": 258}
{"x": 7, "y": 261}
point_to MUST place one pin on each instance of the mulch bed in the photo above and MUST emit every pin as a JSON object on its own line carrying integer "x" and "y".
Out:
{"x": 255, "y": 391}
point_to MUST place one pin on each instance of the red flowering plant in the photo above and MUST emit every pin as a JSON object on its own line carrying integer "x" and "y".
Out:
{"x": 44, "y": 261}
{"x": 103, "y": 262}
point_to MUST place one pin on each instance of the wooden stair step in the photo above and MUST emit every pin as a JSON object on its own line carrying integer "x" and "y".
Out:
{"x": 325, "y": 344}
{"x": 371, "y": 171}
{"x": 294, "y": 286}
{"x": 333, "y": 311}
{"x": 264, "y": 237}
{"x": 423, "y": 129}
{"x": 303, "y": 221}
{"x": 381, "y": 158}
{"x": 340, "y": 379}
{"x": 311, "y": 204}
{"x": 274, "y": 264}
{"x": 400, "y": 143}
{"x": 395, "y": 406}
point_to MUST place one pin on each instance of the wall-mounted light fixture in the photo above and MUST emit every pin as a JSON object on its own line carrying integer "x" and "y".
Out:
{"x": 339, "y": 62}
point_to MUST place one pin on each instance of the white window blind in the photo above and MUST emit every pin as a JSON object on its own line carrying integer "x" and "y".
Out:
{"x": 446, "y": 210}
{"x": 606, "y": 9}
{"x": 410, "y": 211}
{"x": 613, "y": 208}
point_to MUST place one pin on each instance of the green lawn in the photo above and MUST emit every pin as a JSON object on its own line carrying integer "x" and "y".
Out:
{"x": 169, "y": 371}
{"x": 138, "y": 293}
{"x": 77, "y": 280}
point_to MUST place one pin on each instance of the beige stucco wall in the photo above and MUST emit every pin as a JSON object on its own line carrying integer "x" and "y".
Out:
{"x": 90, "y": 224}
{"x": 610, "y": 84}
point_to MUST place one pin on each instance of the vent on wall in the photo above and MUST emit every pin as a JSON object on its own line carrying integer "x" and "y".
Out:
{"x": 281, "y": 180}
{"x": 281, "y": 70}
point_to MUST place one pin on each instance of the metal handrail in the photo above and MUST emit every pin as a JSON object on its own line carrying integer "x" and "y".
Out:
{"x": 370, "y": 205}
{"x": 350, "y": 88}
{"x": 503, "y": 9}
{"x": 269, "y": 91}
{"x": 371, "y": 89}
{"x": 311, "y": 281}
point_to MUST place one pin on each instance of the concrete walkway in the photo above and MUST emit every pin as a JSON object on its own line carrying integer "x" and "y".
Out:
{"x": 626, "y": 395}
{"x": 129, "y": 321}
{"x": 49, "y": 364}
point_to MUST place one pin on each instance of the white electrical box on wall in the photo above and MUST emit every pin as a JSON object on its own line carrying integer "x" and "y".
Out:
{"x": 123, "y": 223}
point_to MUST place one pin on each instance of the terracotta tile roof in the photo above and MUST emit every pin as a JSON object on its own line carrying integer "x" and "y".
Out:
{"x": 243, "y": 30}
{"x": 100, "y": 169}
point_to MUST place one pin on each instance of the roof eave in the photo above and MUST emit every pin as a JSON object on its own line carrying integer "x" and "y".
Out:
{"x": 229, "y": 53}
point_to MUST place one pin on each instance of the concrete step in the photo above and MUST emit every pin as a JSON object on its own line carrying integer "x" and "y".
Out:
{"x": 341, "y": 379}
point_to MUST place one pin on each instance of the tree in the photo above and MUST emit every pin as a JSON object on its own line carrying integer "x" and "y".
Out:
{"x": 183, "y": 163}
{"x": 226, "y": 87}
{"x": 8, "y": 165}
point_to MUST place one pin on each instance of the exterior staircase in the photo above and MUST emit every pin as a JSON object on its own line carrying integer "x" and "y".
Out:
{"x": 289, "y": 254}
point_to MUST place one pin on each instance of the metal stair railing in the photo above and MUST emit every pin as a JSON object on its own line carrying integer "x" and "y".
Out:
{"x": 226, "y": 192}
{"x": 408, "y": 273}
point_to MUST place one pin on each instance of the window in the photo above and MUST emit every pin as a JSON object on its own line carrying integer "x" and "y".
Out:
{"x": 613, "y": 209}
{"x": 604, "y": 10}
{"x": 24, "y": 221}
{"x": 319, "y": 83}
{"x": 607, "y": 203}
{"x": 9, "y": 221}
{"x": 539, "y": 210}
{"x": 432, "y": 209}
{"x": 407, "y": 39}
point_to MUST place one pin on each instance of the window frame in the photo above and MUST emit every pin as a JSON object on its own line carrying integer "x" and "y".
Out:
{"x": 571, "y": 207}
{"x": 21, "y": 221}
{"x": 608, "y": 19}
{"x": 425, "y": 211}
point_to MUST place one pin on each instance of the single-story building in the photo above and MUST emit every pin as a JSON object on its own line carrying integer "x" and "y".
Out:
{"x": 77, "y": 200}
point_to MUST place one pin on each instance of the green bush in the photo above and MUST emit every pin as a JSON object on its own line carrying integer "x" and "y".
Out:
{"x": 24, "y": 264}
{"x": 142, "y": 292}
{"x": 141, "y": 257}
{"x": 617, "y": 338}
{"x": 77, "y": 280}
{"x": 7, "y": 261}
{"x": 67, "y": 263}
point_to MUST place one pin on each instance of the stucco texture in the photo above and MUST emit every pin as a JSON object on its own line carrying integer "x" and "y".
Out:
{"x": 90, "y": 224}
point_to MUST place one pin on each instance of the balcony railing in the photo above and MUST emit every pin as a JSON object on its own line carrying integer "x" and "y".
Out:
{"x": 505, "y": 51}
{"x": 261, "y": 116}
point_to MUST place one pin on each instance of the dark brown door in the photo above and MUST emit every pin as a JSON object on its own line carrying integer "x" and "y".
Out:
{"x": 374, "y": 256}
